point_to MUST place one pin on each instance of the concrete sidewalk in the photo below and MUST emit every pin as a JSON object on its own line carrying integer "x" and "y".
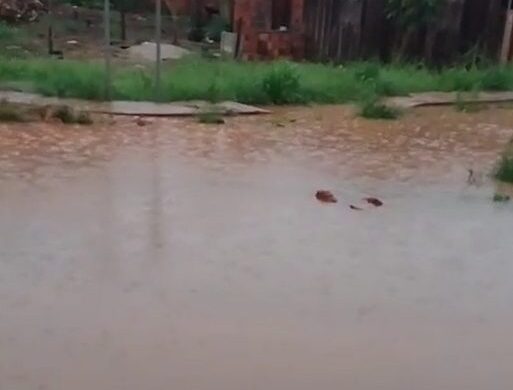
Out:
{"x": 189, "y": 108}
{"x": 448, "y": 98}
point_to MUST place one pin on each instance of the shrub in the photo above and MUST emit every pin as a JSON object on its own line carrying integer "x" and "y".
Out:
{"x": 500, "y": 198}
{"x": 211, "y": 118}
{"x": 373, "y": 109}
{"x": 69, "y": 116}
{"x": 281, "y": 84}
{"x": 10, "y": 113}
{"x": 497, "y": 79}
{"x": 504, "y": 170}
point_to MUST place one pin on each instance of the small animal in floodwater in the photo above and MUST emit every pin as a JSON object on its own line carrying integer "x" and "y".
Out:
{"x": 374, "y": 201}
{"x": 325, "y": 197}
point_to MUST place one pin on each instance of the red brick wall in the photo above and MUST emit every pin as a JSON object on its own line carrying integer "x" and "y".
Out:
{"x": 259, "y": 41}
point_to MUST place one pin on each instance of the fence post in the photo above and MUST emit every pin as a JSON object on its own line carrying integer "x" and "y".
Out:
{"x": 108, "y": 70}
{"x": 158, "y": 38}
{"x": 508, "y": 30}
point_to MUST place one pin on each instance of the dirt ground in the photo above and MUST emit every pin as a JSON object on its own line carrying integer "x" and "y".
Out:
{"x": 79, "y": 34}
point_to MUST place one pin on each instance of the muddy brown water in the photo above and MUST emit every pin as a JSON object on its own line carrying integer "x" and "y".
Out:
{"x": 191, "y": 257}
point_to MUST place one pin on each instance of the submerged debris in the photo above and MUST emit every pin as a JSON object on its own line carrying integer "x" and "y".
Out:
{"x": 325, "y": 196}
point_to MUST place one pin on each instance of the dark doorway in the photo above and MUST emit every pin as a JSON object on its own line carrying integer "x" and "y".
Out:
{"x": 281, "y": 14}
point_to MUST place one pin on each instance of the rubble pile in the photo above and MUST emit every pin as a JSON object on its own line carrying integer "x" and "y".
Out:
{"x": 15, "y": 11}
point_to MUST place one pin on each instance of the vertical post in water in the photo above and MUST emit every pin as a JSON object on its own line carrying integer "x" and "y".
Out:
{"x": 108, "y": 70}
{"x": 158, "y": 37}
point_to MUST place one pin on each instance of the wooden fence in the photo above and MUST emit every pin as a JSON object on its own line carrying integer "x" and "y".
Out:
{"x": 342, "y": 30}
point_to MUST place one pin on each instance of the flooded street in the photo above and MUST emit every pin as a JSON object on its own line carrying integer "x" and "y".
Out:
{"x": 194, "y": 257}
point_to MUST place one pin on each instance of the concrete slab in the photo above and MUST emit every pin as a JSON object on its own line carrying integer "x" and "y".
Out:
{"x": 448, "y": 98}
{"x": 189, "y": 108}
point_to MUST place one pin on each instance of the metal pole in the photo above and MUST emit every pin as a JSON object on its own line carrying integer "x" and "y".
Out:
{"x": 108, "y": 70}
{"x": 158, "y": 37}
{"x": 50, "y": 27}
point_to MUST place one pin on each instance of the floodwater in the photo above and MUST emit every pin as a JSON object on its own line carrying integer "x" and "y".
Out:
{"x": 195, "y": 257}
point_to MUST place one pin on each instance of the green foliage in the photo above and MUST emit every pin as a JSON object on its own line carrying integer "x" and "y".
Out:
{"x": 10, "y": 113}
{"x": 463, "y": 105}
{"x": 373, "y": 109}
{"x": 211, "y": 118}
{"x": 281, "y": 84}
{"x": 84, "y": 118}
{"x": 68, "y": 115}
{"x": 504, "y": 170}
{"x": 501, "y": 198}
{"x": 497, "y": 78}
{"x": 247, "y": 82}
{"x": 409, "y": 13}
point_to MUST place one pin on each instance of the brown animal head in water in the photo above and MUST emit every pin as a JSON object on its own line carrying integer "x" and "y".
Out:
{"x": 374, "y": 201}
{"x": 325, "y": 197}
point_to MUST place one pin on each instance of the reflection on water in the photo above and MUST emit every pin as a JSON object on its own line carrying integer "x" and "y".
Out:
{"x": 185, "y": 256}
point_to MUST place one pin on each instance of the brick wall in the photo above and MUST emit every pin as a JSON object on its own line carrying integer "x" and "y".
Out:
{"x": 259, "y": 40}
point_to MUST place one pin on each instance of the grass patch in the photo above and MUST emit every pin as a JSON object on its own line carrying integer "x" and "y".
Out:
{"x": 252, "y": 83}
{"x": 11, "y": 113}
{"x": 68, "y": 115}
{"x": 374, "y": 109}
{"x": 500, "y": 198}
{"x": 211, "y": 118}
{"x": 467, "y": 104}
{"x": 504, "y": 170}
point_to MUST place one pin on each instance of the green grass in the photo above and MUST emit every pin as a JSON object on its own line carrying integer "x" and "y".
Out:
{"x": 252, "y": 83}
{"x": 504, "y": 170}
{"x": 68, "y": 115}
{"x": 500, "y": 198}
{"x": 373, "y": 109}
{"x": 9, "y": 113}
{"x": 211, "y": 118}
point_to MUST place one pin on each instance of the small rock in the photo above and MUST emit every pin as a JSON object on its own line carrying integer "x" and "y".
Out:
{"x": 141, "y": 122}
{"x": 325, "y": 197}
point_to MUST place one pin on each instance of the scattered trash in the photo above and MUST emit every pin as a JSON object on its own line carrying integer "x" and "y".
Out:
{"x": 72, "y": 42}
{"x": 325, "y": 197}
